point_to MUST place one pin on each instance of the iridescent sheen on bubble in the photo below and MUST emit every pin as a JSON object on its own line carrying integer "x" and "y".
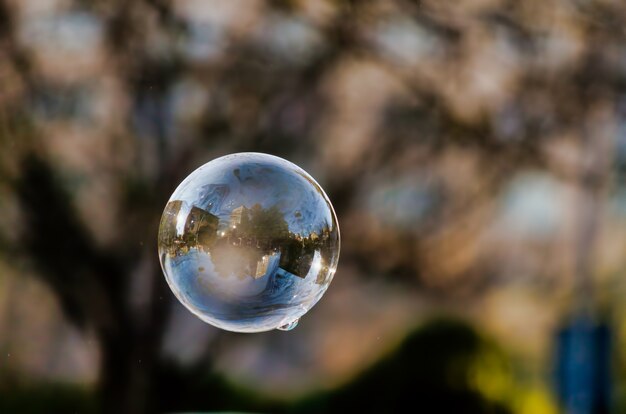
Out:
{"x": 249, "y": 242}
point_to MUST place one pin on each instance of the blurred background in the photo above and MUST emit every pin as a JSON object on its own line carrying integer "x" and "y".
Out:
{"x": 474, "y": 150}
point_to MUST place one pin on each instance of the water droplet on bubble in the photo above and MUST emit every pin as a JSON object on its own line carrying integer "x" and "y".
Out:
{"x": 248, "y": 241}
{"x": 289, "y": 326}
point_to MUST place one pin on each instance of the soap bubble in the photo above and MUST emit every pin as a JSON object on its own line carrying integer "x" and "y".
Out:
{"x": 249, "y": 242}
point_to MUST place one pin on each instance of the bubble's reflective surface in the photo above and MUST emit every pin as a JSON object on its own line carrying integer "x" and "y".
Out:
{"x": 289, "y": 326}
{"x": 249, "y": 242}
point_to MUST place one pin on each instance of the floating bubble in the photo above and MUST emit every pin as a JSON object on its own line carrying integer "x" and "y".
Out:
{"x": 249, "y": 242}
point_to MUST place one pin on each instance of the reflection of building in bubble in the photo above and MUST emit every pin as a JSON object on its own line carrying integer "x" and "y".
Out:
{"x": 200, "y": 228}
{"x": 182, "y": 228}
{"x": 295, "y": 259}
{"x": 267, "y": 265}
{"x": 239, "y": 216}
{"x": 261, "y": 266}
{"x": 167, "y": 230}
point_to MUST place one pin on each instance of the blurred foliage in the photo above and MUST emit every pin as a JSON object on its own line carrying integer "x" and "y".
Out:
{"x": 446, "y": 361}
{"x": 443, "y": 366}
{"x": 47, "y": 398}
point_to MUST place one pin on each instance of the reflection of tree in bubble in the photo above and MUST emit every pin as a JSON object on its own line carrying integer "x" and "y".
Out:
{"x": 267, "y": 224}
